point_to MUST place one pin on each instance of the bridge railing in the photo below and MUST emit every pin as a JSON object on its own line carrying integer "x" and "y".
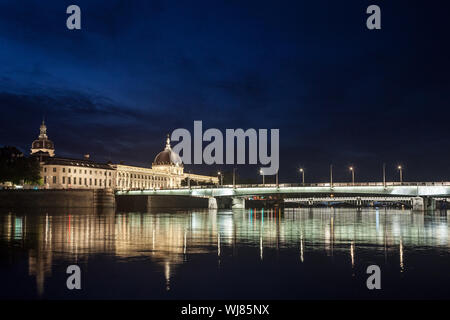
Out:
{"x": 287, "y": 185}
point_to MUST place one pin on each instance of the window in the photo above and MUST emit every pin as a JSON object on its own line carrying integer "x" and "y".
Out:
{"x": 85, "y": 181}
{"x": 45, "y": 179}
{"x": 64, "y": 169}
{"x": 69, "y": 170}
{"x": 85, "y": 171}
{"x": 95, "y": 182}
{"x": 64, "y": 180}
{"x": 80, "y": 181}
{"x": 45, "y": 169}
{"x": 74, "y": 180}
{"x": 74, "y": 170}
{"x": 90, "y": 171}
{"x": 54, "y": 169}
{"x": 68, "y": 179}
{"x": 90, "y": 181}
{"x": 54, "y": 179}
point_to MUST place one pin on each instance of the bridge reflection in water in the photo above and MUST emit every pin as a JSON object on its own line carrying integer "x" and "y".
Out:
{"x": 170, "y": 239}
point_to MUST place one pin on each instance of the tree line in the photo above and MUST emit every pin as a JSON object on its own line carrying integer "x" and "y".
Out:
{"x": 18, "y": 169}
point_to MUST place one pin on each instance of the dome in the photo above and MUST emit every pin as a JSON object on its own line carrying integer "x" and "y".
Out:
{"x": 167, "y": 156}
{"x": 43, "y": 144}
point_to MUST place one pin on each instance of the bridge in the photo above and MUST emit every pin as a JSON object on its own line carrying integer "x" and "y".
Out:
{"x": 421, "y": 195}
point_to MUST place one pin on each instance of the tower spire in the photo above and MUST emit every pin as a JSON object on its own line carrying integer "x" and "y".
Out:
{"x": 43, "y": 130}
{"x": 168, "y": 142}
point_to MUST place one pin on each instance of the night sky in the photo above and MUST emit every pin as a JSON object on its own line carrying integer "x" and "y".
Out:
{"x": 137, "y": 70}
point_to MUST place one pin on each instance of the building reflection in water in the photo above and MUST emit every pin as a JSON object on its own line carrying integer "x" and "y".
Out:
{"x": 169, "y": 238}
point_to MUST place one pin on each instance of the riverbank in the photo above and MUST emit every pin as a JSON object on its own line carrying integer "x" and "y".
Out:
{"x": 67, "y": 198}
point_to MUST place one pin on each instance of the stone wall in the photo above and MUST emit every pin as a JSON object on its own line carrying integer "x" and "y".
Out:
{"x": 144, "y": 203}
{"x": 56, "y": 198}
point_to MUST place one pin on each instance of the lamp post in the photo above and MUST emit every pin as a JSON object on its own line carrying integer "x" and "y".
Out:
{"x": 331, "y": 176}
{"x": 189, "y": 179}
{"x": 262, "y": 173}
{"x": 234, "y": 177}
{"x": 384, "y": 175}
{"x": 303, "y": 175}
{"x": 352, "y": 170}
{"x": 400, "y": 169}
{"x": 221, "y": 177}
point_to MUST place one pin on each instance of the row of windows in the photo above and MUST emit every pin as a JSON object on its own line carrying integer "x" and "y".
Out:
{"x": 69, "y": 170}
{"x": 141, "y": 176}
{"x": 79, "y": 181}
{"x": 140, "y": 184}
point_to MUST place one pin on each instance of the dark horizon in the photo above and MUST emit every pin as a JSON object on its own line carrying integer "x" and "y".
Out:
{"x": 338, "y": 92}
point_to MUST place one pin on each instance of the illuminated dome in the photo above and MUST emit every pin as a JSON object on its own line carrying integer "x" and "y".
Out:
{"x": 43, "y": 144}
{"x": 168, "y": 156}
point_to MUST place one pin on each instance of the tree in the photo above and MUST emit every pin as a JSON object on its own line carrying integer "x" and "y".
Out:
{"x": 16, "y": 168}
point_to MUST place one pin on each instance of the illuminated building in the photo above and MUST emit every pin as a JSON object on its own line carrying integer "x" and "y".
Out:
{"x": 65, "y": 173}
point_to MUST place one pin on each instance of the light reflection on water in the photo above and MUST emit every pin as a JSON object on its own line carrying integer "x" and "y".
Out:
{"x": 167, "y": 241}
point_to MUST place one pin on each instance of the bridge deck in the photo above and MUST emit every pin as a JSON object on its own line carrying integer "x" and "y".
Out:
{"x": 416, "y": 189}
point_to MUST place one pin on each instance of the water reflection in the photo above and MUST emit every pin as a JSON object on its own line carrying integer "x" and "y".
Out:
{"x": 170, "y": 238}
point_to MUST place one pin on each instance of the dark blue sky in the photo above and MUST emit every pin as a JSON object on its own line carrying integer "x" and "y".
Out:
{"x": 137, "y": 70}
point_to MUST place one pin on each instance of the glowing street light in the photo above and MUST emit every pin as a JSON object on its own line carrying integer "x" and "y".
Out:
{"x": 261, "y": 172}
{"x": 352, "y": 170}
{"x": 221, "y": 177}
{"x": 302, "y": 171}
{"x": 400, "y": 169}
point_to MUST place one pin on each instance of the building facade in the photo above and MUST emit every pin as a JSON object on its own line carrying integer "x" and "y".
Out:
{"x": 65, "y": 173}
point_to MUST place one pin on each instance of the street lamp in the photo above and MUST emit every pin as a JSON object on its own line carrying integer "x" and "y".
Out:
{"x": 189, "y": 179}
{"x": 331, "y": 176}
{"x": 261, "y": 172}
{"x": 303, "y": 175}
{"x": 352, "y": 170}
{"x": 221, "y": 177}
{"x": 400, "y": 169}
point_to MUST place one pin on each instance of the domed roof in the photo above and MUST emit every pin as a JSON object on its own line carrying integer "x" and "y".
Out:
{"x": 42, "y": 143}
{"x": 167, "y": 156}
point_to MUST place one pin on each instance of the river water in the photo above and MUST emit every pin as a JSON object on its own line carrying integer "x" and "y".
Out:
{"x": 224, "y": 254}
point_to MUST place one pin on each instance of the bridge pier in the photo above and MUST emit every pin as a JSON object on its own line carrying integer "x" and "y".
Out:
{"x": 225, "y": 202}
{"x": 423, "y": 204}
{"x": 430, "y": 203}
{"x": 237, "y": 203}
{"x": 358, "y": 202}
{"x": 212, "y": 203}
